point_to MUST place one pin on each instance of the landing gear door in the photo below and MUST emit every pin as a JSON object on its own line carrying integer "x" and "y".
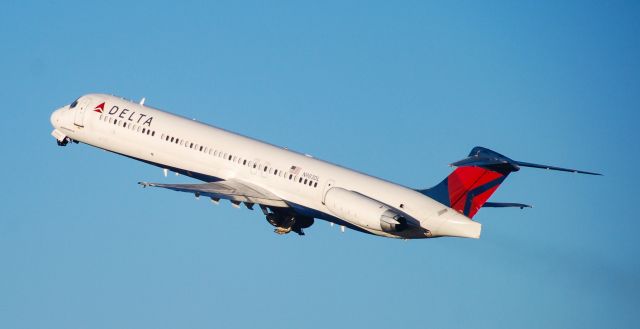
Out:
{"x": 80, "y": 109}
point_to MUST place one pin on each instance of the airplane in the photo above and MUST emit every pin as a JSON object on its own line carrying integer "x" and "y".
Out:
{"x": 291, "y": 189}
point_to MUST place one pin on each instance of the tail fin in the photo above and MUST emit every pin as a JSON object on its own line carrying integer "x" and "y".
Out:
{"x": 476, "y": 178}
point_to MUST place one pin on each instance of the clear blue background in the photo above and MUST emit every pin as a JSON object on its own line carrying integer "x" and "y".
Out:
{"x": 395, "y": 89}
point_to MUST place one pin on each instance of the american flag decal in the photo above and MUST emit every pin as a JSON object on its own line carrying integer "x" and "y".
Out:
{"x": 294, "y": 170}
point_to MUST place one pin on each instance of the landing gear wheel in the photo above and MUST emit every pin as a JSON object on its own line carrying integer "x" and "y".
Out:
{"x": 287, "y": 222}
{"x": 282, "y": 230}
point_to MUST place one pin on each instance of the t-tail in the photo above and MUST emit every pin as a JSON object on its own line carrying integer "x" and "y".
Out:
{"x": 477, "y": 177}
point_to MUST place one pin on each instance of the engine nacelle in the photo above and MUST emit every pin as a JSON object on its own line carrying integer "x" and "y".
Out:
{"x": 364, "y": 211}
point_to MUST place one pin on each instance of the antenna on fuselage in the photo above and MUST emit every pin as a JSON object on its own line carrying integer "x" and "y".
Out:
{"x": 142, "y": 101}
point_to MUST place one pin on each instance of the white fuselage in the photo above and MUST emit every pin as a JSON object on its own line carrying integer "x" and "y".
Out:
{"x": 209, "y": 153}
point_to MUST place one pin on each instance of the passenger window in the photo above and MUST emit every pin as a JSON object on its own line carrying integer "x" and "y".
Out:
{"x": 153, "y": 133}
{"x": 244, "y": 163}
{"x": 315, "y": 184}
{"x": 290, "y": 176}
{"x": 300, "y": 180}
{"x": 275, "y": 172}
{"x": 230, "y": 157}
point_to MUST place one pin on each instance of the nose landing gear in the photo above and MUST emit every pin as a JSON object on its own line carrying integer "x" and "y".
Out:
{"x": 61, "y": 138}
{"x": 64, "y": 141}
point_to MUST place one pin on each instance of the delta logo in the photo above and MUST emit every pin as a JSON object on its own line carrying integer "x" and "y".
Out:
{"x": 99, "y": 108}
{"x": 133, "y": 116}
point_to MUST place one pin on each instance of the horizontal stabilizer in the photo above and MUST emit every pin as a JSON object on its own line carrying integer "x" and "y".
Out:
{"x": 492, "y": 160}
{"x": 505, "y": 205}
{"x": 533, "y": 165}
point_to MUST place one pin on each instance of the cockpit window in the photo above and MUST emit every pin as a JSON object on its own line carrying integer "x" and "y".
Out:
{"x": 73, "y": 104}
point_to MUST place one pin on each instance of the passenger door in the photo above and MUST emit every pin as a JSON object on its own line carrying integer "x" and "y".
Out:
{"x": 81, "y": 108}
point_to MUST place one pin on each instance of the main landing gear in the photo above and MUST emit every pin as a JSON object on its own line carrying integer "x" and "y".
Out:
{"x": 286, "y": 221}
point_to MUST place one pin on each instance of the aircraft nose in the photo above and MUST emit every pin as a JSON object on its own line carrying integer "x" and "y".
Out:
{"x": 55, "y": 118}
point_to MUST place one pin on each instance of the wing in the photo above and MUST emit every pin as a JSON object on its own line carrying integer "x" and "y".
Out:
{"x": 233, "y": 190}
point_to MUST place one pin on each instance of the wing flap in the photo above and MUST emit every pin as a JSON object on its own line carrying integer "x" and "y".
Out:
{"x": 230, "y": 190}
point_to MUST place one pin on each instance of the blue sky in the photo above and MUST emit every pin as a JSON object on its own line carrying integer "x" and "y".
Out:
{"x": 394, "y": 89}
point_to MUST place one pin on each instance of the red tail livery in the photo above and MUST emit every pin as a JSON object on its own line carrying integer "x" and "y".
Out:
{"x": 472, "y": 183}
